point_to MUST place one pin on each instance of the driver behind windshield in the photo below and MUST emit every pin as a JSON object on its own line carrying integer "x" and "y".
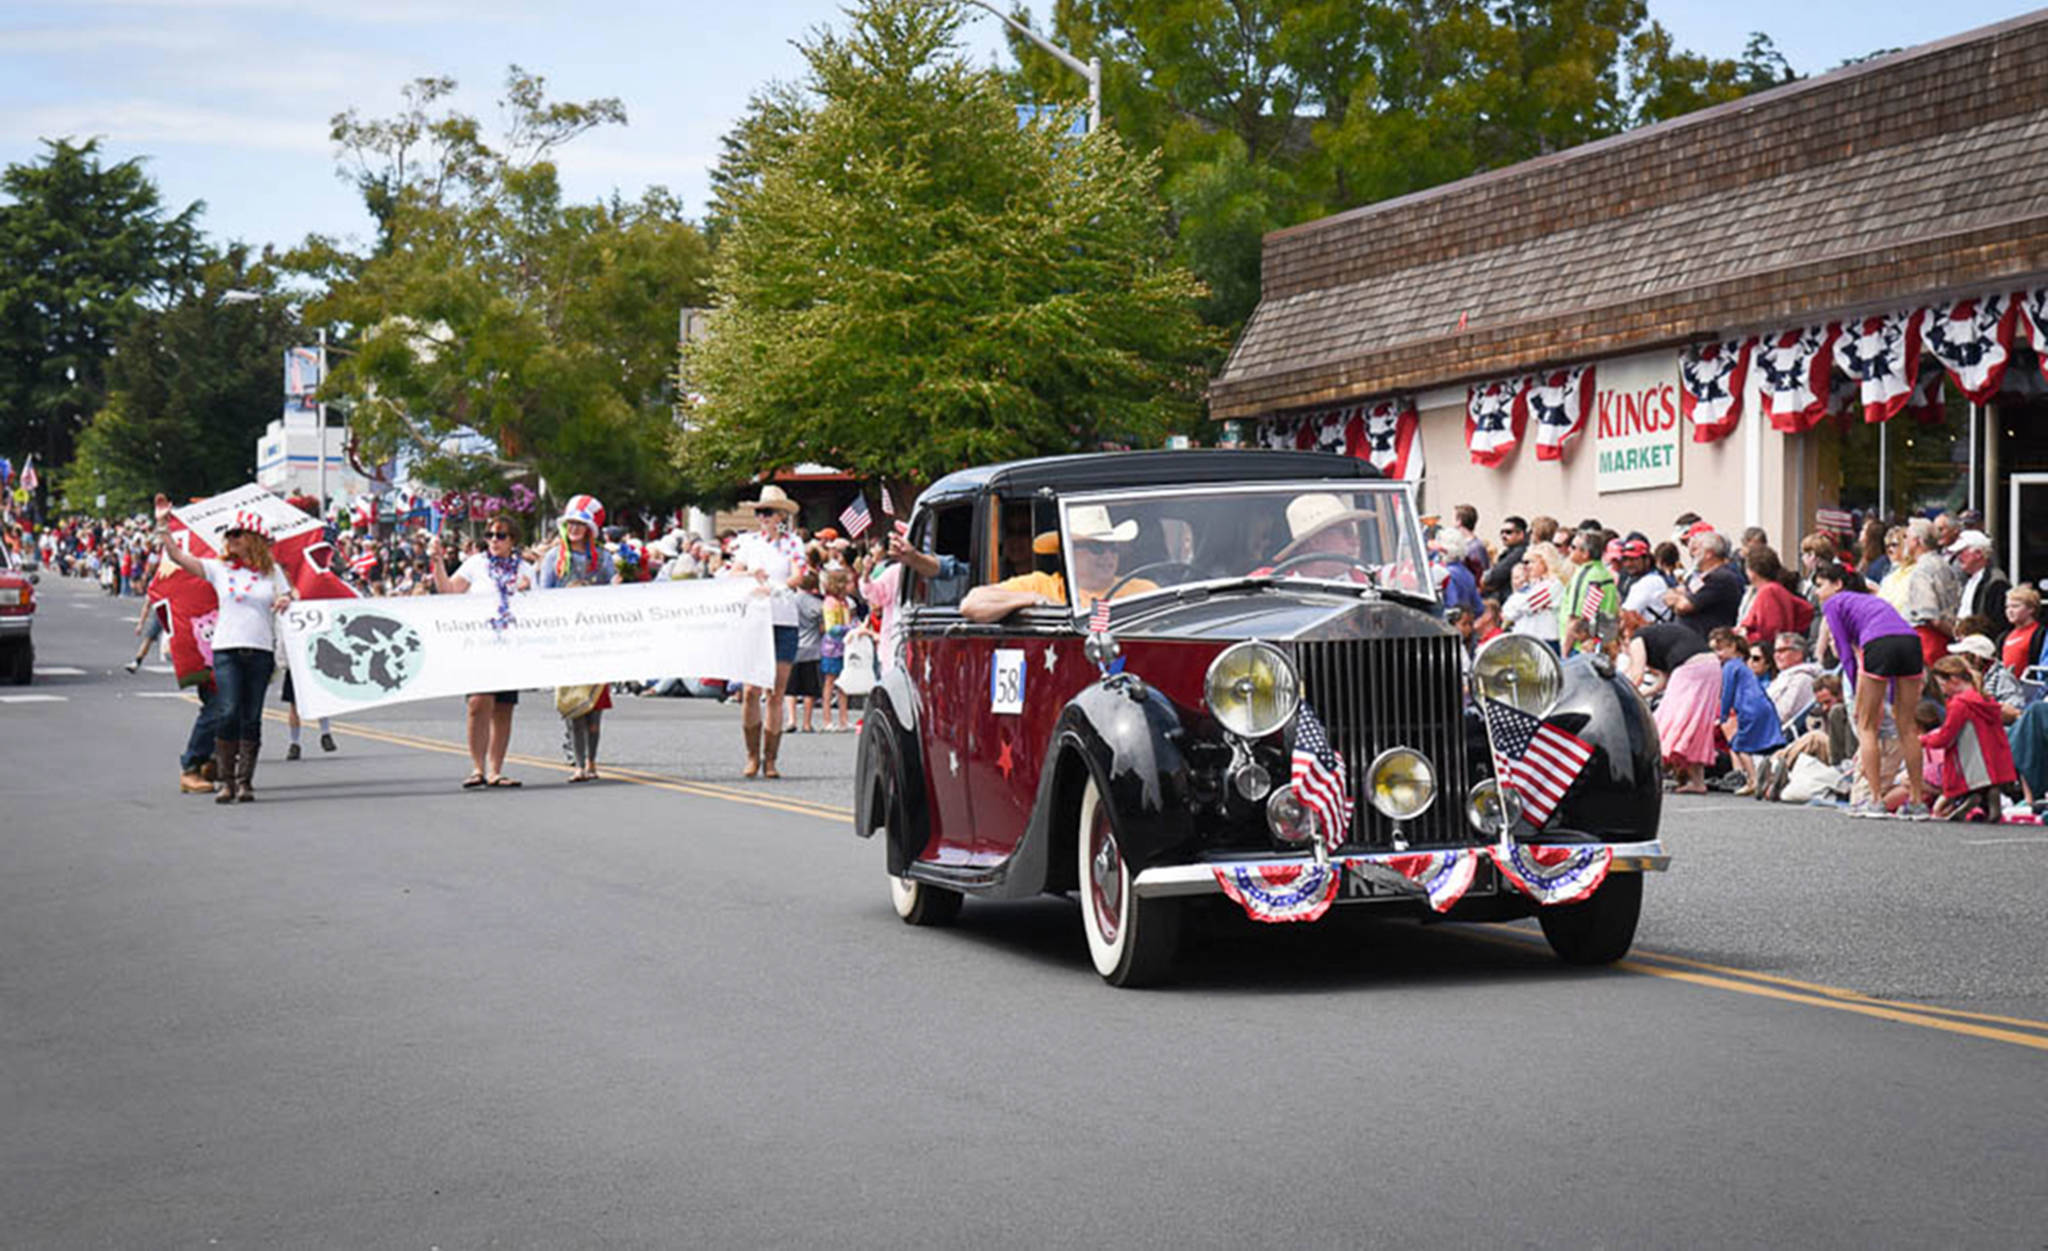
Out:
{"x": 1323, "y": 541}
{"x": 1098, "y": 548}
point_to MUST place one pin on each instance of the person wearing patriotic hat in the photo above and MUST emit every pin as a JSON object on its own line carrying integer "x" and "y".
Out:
{"x": 251, "y": 589}
{"x": 775, "y": 559}
{"x": 577, "y": 558}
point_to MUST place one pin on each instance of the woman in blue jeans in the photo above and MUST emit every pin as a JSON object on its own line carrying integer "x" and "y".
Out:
{"x": 252, "y": 590}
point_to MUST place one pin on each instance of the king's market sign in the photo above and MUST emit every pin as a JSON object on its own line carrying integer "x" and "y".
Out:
{"x": 1636, "y": 427}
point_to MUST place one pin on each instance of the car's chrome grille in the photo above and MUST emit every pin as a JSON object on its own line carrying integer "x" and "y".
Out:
{"x": 1372, "y": 694}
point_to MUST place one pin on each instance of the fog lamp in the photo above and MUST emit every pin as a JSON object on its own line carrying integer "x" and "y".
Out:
{"x": 1289, "y": 821}
{"x": 1252, "y": 781}
{"x": 1491, "y": 807}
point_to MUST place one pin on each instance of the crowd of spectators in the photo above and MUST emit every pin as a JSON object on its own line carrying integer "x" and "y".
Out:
{"x": 1730, "y": 643}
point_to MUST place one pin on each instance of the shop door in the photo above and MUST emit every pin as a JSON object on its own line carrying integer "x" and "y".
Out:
{"x": 2026, "y": 516}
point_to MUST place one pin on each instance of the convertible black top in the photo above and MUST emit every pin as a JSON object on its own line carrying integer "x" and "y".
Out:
{"x": 1103, "y": 470}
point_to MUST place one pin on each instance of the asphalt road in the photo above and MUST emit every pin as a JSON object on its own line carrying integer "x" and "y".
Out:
{"x": 372, "y": 1010}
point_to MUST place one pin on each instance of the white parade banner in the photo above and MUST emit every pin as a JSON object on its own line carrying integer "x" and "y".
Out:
{"x": 1636, "y": 432}
{"x": 352, "y": 655}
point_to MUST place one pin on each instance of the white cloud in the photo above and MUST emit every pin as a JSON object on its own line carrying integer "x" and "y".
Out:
{"x": 139, "y": 121}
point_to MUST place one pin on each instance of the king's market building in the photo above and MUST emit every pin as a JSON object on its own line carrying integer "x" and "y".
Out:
{"x": 1825, "y": 297}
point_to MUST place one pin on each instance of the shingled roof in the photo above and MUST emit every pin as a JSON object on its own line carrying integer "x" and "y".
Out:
{"x": 1907, "y": 177}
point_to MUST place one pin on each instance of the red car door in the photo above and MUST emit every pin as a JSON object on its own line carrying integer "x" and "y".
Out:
{"x": 1024, "y": 682}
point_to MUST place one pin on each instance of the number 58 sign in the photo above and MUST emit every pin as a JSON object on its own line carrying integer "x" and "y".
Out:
{"x": 1006, "y": 681}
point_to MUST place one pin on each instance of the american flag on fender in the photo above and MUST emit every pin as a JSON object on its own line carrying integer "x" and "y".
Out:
{"x": 1098, "y": 621}
{"x": 856, "y": 516}
{"x": 1538, "y": 761}
{"x": 1596, "y": 594}
{"x": 1540, "y": 598}
{"x": 1319, "y": 780}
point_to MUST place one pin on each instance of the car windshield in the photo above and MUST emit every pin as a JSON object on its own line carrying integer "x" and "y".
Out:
{"x": 1139, "y": 542}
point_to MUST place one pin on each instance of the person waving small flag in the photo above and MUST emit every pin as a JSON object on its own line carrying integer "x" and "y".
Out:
{"x": 855, "y": 517}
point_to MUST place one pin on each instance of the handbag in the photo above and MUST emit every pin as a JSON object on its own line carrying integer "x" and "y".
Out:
{"x": 574, "y": 701}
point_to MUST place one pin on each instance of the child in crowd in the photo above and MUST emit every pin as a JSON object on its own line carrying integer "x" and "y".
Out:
{"x": 1971, "y": 738}
{"x": 804, "y": 677}
{"x": 1748, "y": 720}
{"x": 1934, "y": 766}
{"x": 832, "y": 648}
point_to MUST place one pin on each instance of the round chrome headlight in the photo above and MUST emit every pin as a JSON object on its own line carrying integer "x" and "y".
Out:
{"x": 1401, "y": 783}
{"x": 1287, "y": 819}
{"x": 1252, "y": 689}
{"x": 1490, "y": 807}
{"x": 1519, "y": 671}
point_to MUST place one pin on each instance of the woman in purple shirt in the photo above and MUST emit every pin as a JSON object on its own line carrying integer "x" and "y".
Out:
{"x": 1879, "y": 649}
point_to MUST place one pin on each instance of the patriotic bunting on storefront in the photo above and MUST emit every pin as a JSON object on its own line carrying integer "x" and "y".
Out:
{"x": 1792, "y": 376}
{"x": 2034, "y": 307}
{"x": 1494, "y": 421}
{"x": 1390, "y": 436}
{"x": 1882, "y": 354}
{"x": 1711, "y": 378}
{"x": 1972, "y": 339}
{"x": 1559, "y": 403}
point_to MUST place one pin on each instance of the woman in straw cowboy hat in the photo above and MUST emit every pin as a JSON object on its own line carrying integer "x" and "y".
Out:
{"x": 774, "y": 558}
{"x": 252, "y": 590}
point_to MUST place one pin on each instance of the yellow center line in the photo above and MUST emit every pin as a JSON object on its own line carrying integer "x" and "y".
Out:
{"x": 800, "y": 807}
{"x": 1813, "y": 994}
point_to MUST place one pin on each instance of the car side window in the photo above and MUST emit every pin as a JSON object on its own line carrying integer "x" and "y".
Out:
{"x": 946, "y": 532}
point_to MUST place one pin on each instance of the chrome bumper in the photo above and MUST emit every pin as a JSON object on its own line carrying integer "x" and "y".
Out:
{"x": 1200, "y": 878}
{"x": 17, "y": 625}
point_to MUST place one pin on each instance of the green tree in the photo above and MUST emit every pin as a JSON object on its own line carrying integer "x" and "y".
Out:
{"x": 191, "y": 388}
{"x": 85, "y": 248}
{"x": 489, "y": 306}
{"x": 1268, "y": 113}
{"x": 913, "y": 281}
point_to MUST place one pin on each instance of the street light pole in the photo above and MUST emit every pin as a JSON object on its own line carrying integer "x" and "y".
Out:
{"x": 320, "y": 405}
{"x": 1091, "y": 69}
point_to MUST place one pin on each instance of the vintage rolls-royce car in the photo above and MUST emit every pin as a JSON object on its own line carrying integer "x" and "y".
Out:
{"x": 1145, "y": 677}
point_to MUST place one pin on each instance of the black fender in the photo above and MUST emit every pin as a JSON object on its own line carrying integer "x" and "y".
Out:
{"x": 888, "y": 776}
{"x": 1619, "y": 797}
{"x": 1126, "y": 736}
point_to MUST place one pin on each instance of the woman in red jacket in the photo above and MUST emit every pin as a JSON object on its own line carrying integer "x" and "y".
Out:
{"x": 1776, "y": 607}
{"x": 1973, "y": 734}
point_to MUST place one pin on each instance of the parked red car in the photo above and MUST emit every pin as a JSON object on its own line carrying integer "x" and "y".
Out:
{"x": 1023, "y": 740}
{"x": 17, "y": 623}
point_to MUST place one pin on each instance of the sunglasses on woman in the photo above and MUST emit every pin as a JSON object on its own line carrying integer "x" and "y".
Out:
{"x": 500, "y": 534}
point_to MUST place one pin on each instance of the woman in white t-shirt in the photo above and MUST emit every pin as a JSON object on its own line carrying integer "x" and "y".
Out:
{"x": 252, "y": 590}
{"x": 774, "y": 558}
{"x": 496, "y": 571}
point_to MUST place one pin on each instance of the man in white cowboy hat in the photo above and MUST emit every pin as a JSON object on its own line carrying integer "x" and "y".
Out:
{"x": 1320, "y": 525}
{"x": 1098, "y": 545}
{"x": 774, "y": 558}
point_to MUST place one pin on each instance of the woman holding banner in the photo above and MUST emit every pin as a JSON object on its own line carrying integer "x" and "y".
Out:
{"x": 251, "y": 589}
{"x": 775, "y": 560}
{"x": 577, "y": 559}
{"x": 495, "y": 571}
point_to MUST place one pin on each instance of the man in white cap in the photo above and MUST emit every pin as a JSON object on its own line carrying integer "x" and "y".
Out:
{"x": 1984, "y": 586}
{"x": 1097, "y": 545}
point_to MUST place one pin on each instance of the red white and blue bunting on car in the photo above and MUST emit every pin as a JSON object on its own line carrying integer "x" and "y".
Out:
{"x": 1386, "y": 433}
{"x": 1303, "y": 890}
{"x": 1298, "y": 890}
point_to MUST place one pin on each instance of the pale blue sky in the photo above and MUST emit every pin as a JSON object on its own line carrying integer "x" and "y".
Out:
{"x": 229, "y": 99}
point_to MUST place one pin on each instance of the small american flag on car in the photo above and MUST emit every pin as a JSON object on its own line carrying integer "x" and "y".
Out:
{"x": 1098, "y": 621}
{"x": 1538, "y": 761}
{"x": 856, "y": 516}
{"x": 1319, "y": 779}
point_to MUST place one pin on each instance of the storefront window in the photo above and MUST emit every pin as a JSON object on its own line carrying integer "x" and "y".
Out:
{"x": 1926, "y": 467}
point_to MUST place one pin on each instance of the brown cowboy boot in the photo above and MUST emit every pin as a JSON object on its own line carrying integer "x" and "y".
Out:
{"x": 772, "y": 742}
{"x": 245, "y": 771}
{"x": 752, "y": 731}
{"x": 225, "y": 752}
{"x": 193, "y": 782}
